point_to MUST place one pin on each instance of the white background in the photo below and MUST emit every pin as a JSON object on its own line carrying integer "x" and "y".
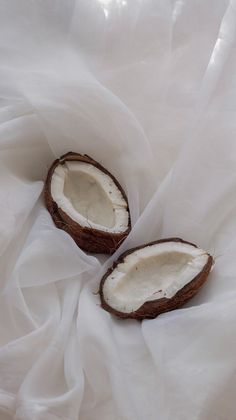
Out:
{"x": 147, "y": 88}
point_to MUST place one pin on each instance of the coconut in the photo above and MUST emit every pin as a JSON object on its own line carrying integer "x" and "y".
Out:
{"x": 154, "y": 278}
{"x": 86, "y": 201}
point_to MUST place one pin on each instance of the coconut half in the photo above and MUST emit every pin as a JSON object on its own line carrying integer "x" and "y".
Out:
{"x": 86, "y": 201}
{"x": 154, "y": 278}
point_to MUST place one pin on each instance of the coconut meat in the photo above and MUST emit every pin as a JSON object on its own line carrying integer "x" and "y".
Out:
{"x": 89, "y": 196}
{"x": 153, "y": 272}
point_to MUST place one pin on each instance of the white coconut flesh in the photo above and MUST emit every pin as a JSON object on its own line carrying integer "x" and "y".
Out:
{"x": 153, "y": 272}
{"x": 89, "y": 197}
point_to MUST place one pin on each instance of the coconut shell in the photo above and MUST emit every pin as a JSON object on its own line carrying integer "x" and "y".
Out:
{"x": 89, "y": 239}
{"x": 151, "y": 309}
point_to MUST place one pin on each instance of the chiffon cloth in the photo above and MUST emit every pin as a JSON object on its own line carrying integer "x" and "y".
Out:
{"x": 148, "y": 89}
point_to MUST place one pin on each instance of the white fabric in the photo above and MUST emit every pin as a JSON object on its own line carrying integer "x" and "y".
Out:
{"x": 147, "y": 88}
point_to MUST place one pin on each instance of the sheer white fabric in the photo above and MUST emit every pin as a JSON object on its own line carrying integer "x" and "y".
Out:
{"x": 147, "y": 88}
